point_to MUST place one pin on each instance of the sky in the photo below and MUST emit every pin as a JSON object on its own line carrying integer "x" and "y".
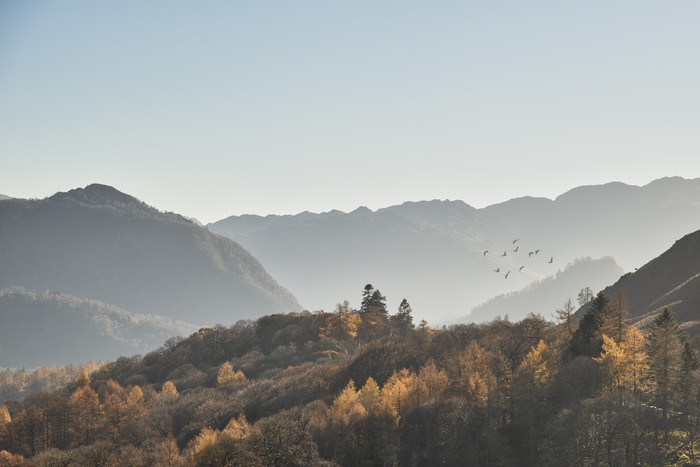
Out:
{"x": 220, "y": 108}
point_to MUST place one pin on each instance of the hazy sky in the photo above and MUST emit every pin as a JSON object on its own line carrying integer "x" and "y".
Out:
{"x": 218, "y": 108}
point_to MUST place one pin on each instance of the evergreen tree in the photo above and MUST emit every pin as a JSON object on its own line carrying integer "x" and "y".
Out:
{"x": 378, "y": 303}
{"x": 367, "y": 294}
{"x": 587, "y": 339}
{"x": 402, "y": 321}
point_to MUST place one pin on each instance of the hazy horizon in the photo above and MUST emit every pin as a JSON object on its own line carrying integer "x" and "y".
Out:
{"x": 279, "y": 108}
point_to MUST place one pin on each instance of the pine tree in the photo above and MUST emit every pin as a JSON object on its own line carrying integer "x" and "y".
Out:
{"x": 402, "y": 321}
{"x": 587, "y": 339}
{"x": 367, "y": 294}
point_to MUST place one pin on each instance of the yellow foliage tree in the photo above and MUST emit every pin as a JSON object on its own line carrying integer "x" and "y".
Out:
{"x": 206, "y": 438}
{"x": 613, "y": 360}
{"x": 370, "y": 397}
{"x": 135, "y": 396}
{"x": 168, "y": 392}
{"x": 226, "y": 375}
{"x": 395, "y": 395}
{"x": 237, "y": 428}
{"x": 635, "y": 344}
{"x": 342, "y": 324}
{"x": 625, "y": 365}
{"x": 347, "y": 409}
{"x": 87, "y": 412}
{"x": 5, "y": 417}
{"x": 535, "y": 371}
{"x": 432, "y": 381}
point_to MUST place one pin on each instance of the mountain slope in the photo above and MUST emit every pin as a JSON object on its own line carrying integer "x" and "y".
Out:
{"x": 102, "y": 244}
{"x": 671, "y": 280}
{"x": 56, "y": 329}
{"x": 431, "y": 252}
{"x": 546, "y": 295}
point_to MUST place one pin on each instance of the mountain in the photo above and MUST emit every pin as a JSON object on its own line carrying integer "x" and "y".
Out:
{"x": 4, "y": 196}
{"x": 101, "y": 244}
{"x": 671, "y": 280}
{"x": 430, "y": 252}
{"x": 546, "y": 295}
{"x": 56, "y": 329}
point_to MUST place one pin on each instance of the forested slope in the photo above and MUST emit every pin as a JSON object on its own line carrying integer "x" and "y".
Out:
{"x": 56, "y": 329}
{"x": 364, "y": 387}
{"x": 98, "y": 243}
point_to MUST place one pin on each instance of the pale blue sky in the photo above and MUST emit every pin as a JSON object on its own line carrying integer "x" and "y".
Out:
{"x": 218, "y": 108}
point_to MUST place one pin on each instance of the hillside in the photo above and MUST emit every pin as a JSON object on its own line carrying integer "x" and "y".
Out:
{"x": 303, "y": 389}
{"x": 546, "y": 295}
{"x": 101, "y": 244}
{"x": 56, "y": 329}
{"x": 432, "y": 250}
{"x": 671, "y": 280}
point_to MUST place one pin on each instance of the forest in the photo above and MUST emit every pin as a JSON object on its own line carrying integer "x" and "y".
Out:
{"x": 366, "y": 387}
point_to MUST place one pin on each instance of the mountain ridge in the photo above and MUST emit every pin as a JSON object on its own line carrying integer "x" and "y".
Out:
{"x": 99, "y": 243}
{"x": 627, "y": 222}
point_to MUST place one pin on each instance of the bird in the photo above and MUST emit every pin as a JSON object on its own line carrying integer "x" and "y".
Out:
{"x": 497, "y": 270}
{"x": 529, "y": 255}
{"x": 485, "y": 251}
{"x": 521, "y": 268}
{"x": 507, "y": 274}
{"x": 516, "y": 248}
{"x": 551, "y": 259}
{"x": 516, "y": 240}
{"x": 537, "y": 251}
{"x": 504, "y": 253}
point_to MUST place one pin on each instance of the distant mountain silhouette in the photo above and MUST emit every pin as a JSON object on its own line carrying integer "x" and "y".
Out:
{"x": 546, "y": 295}
{"x": 431, "y": 252}
{"x": 4, "y": 196}
{"x": 56, "y": 329}
{"x": 99, "y": 243}
{"x": 671, "y": 280}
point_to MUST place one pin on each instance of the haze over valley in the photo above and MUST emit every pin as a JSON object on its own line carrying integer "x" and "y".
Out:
{"x": 334, "y": 234}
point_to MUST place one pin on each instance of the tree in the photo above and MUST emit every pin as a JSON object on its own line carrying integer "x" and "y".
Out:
{"x": 135, "y": 396}
{"x": 87, "y": 412}
{"x": 532, "y": 376}
{"x": 587, "y": 339}
{"x": 225, "y": 375}
{"x": 614, "y": 361}
{"x": 615, "y": 320}
{"x": 567, "y": 319}
{"x": 585, "y": 296}
{"x": 168, "y": 392}
{"x": 634, "y": 345}
{"x": 367, "y": 294}
{"x": 402, "y": 321}
{"x": 665, "y": 359}
{"x": 342, "y": 324}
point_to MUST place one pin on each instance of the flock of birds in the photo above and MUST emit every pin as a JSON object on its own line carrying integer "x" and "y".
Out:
{"x": 530, "y": 254}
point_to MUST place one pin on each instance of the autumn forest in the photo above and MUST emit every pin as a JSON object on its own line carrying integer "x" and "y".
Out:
{"x": 369, "y": 387}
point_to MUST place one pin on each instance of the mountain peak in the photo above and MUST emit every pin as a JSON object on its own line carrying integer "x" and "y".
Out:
{"x": 98, "y": 195}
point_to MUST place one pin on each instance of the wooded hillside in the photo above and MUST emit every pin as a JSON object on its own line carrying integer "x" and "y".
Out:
{"x": 366, "y": 387}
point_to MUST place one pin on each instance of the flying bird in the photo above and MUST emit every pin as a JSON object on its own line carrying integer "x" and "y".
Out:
{"x": 537, "y": 251}
{"x": 529, "y": 255}
{"x": 516, "y": 248}
{"x": 521, "y": 268}
{"x": 504, "y": 253}
{"x": 551, "y": 259}
{"x": 507, "y": 274}
{"x": 497, "y": 270}
{"x": 516, "y": 240}
{"x": 485, "y": 251}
